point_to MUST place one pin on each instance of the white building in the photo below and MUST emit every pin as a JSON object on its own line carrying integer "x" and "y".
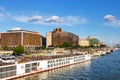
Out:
{"x": 48, "y": 39}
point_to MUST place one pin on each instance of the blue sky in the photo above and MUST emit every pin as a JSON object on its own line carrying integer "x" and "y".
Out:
{"x": 98, "y": 18}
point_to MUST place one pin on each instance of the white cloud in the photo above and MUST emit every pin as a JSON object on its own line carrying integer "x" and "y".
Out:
{"x": 75, "y": 20}
{"x": 53, "y": 20}
{"x": 28, "y": 19}
{"x": 34, "y": 19}
{"x": 22, "y": 18}
{"x": 4, "y": 15}
{"x": 111, "y": 20}
{"x": 2, "y": 8}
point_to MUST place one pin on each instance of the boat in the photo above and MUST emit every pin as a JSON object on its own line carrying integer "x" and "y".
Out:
{"x": 17, "y": 70}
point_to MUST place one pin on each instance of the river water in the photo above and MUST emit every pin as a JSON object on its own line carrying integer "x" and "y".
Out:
{"x": 100, "y": 68}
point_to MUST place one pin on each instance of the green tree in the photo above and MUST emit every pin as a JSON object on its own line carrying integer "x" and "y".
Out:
{"x": 0, "y": 49}
{"x": 42, "y": 47}
{"x": 65, "y": 45}
{"x": 19, "y": 50}
{"x": 103, "y": 45}
{"x": 91, "y": 46}
{"x": 94, "y": 41}
{"x": 5, "y": 48}
{"x": 75, "y": 46}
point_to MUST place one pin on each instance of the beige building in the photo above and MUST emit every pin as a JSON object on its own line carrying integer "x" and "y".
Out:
{"x": 48, "y": 39}
{"x": 83, "y": 42}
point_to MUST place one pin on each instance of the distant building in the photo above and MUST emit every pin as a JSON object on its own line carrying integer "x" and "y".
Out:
{"x": 13, "y": 38}
{"x": 117, "y": 45}
{"x": 93, "y": 41}
{"x": 49, "y": 41}
{"x": 83, "y": 42}
{"x": 58, "y": 37}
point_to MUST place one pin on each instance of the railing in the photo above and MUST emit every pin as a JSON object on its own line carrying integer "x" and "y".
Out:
{"x": 35, "y": 58}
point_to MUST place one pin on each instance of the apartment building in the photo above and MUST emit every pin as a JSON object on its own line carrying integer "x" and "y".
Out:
{"x": 13, "y": 38}
{"x": 58, "y": 37}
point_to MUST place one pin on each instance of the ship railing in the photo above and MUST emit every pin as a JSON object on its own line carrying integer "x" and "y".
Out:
{"x": 42, "y": 57}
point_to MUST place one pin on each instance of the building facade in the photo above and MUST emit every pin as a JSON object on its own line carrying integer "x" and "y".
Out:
{"x": 48, "y": 39}
{"x": 83, "y": 42}
{"x": 93, "y": 41}
{"x": 28, "y": 39}
{"x": 58, "y": 37}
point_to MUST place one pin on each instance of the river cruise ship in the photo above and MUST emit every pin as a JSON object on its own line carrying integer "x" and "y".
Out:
{"x": 17, "y": 69}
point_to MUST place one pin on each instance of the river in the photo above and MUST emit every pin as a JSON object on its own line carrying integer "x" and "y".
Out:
{"x": 100, "y": 68}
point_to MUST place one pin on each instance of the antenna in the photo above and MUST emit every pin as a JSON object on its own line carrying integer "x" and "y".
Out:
{"x": 110, "y": 43}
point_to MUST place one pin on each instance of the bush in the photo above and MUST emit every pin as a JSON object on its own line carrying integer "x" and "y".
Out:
{"x": 19, "y": 50}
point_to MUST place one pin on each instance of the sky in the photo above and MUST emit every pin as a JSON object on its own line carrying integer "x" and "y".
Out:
{"x": 96, "y": 18}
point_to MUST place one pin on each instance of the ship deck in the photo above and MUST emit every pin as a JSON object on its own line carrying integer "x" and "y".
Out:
{"x": 36, "y": 57}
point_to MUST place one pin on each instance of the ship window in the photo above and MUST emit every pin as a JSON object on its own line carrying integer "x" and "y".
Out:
{"x": 27, "y": 70}
{"x": 48, "y": 66}
{"x": 13, "y": 58}
{"x": 3, "y": 58}
{"x": 27, "y": 65}
{"x": 8, "y": 74}
{"x": 56, "y": 60}
{"x": 13, "y": 73}
{"x": 3, "y": 69}
{"x": 8, "y": 58}
{"x": 3, "y": 75}
{"x": 51, "y": 65}
{"x": 8, "y": 68}
{"x": 0, "y": 70}
{"x": 48, "y": 61}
